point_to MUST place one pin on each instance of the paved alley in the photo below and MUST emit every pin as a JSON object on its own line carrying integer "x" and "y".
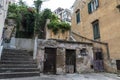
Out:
{"x": 88, "y": 76}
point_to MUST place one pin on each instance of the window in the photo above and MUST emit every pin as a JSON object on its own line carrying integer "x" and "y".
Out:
{"x": 96, "y": 31}
{"x": 92, "y": 6}
{"x": 83, "y": 52}
{"x": 89, "y": 8}
{"x": 118, "y": 64}
{"x": 78, "y": 16}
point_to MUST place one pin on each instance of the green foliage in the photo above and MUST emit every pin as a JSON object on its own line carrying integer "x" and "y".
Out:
{"x": 33, "y": 21}
{"x": 38, "y": 4}
{"x": 54, "y": 17}
{"x": 56, "y": 26}
{"x": 41, "y": 21}
{"x": 64, "y": 27}
{"x": 37, "y": 23}
{"x": 12, "y": 11}
{"x": 24, "y": 17}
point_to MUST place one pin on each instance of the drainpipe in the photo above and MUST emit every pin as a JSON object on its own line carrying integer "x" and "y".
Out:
{"x": 108, "y": 53}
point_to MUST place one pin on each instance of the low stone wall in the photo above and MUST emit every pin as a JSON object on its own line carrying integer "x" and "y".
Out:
{"x": 24, "y": 44}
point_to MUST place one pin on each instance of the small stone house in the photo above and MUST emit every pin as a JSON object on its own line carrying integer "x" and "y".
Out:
{"x": 60, "y": 57}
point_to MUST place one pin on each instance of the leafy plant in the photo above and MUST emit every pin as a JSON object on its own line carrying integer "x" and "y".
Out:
{"x": 40, "y": 24}
{"x": 24, "y": 17}
{"x": 56, "y": 26}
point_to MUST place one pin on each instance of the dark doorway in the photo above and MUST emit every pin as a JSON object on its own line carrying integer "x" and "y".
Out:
{"x": 70, "y": 61}
{"x": 50, "y": 61}
{"x": 118, "y": 64}
{"x": 98, "y": 61}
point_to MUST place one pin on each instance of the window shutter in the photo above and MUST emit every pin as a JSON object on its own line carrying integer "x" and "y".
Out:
{"x": 96, "y": 31}
{"x": 97, "y": 3}
{"x": 78, "y": 17}
{"x": 89, "y": 8}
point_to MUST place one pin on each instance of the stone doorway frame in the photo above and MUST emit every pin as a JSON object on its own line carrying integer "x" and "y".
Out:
{"x": 98, "y": 62}
{"x": 51, "y": 62}
{"x": 70, "y": 68}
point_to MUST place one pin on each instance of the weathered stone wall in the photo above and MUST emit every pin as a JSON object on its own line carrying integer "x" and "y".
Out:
{"x": 60, "y": 64}
{"x": 40, "y": 58}
{"x": 83, "y": 63}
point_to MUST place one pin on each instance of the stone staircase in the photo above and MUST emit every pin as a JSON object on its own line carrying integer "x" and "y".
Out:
{"x": 17, "y": 63}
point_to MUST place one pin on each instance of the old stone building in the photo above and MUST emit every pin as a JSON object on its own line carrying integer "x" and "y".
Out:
{"x": 99, "y": 21}
{"x": 60, "y": 57}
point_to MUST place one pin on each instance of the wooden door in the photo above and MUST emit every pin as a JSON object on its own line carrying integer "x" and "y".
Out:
{"x": 98, "y": 62}
{"x": 50, "y": 60}
{"x": 70, "y": 61}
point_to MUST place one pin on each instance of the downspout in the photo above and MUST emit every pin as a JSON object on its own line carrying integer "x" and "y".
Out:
{"x": 108, "y": 53}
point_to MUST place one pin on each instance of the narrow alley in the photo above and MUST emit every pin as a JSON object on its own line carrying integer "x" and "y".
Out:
{"x": 86, "y": 76}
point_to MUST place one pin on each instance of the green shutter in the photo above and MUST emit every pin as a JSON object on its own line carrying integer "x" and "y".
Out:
{"x": 89, "y": 8}
{"x": 78, "y": 17}
{"x": 96, "y": 31}
{"x": 97, "y": 3}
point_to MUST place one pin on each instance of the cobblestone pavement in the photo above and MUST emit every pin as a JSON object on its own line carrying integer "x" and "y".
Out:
{"x": 88, "y": 76}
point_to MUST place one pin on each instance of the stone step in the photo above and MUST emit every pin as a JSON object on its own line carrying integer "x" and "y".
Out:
{"x": 16, "y": 56}
{"x": 11, "y": 53}
{"x": 16, "y": 59}
{"x": 17, "y": 62}
{"x": 14, "y": 51}
{"x": 18, "y": 74}
{"x": 6, "y": 70}
{"x": 18, "y": 65}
